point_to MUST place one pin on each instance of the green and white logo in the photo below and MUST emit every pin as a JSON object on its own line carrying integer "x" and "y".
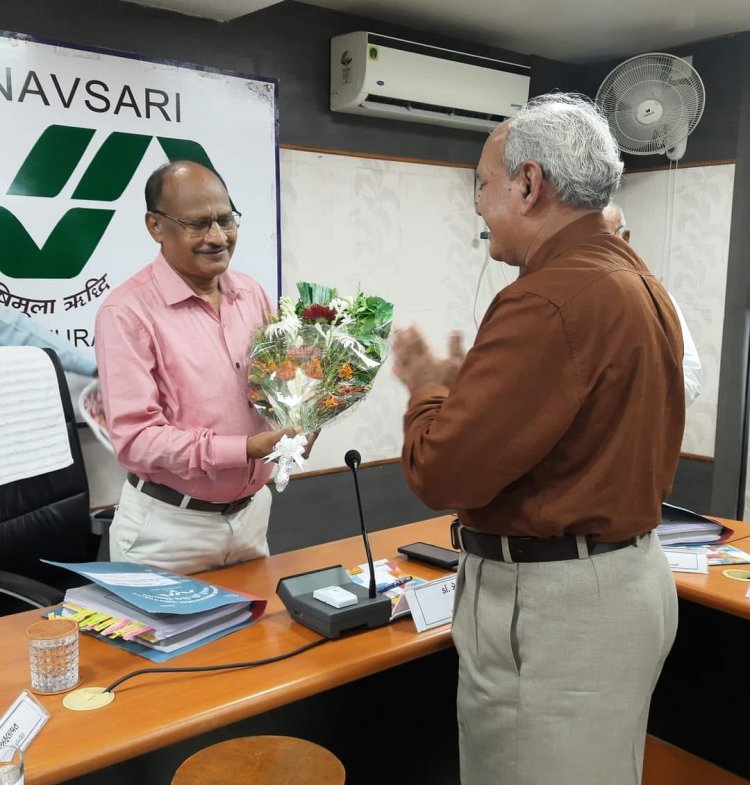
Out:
{"x": 49, "y": 167}
{"x": 82, "y": 131}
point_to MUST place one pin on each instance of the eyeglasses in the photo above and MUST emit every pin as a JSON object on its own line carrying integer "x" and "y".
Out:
{"x": 228, "y": 223}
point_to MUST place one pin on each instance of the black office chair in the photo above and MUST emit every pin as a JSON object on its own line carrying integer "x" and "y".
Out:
{"x": 45, "y": 517}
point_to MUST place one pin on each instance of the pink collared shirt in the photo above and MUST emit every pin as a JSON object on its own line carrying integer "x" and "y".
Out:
{"x": 174, "y": 378}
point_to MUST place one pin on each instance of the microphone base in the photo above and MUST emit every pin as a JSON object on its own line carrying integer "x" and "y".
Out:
{"x": 296, "y": 592}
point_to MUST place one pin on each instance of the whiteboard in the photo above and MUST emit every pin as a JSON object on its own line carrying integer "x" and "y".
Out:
{"x": 692, "y": 263}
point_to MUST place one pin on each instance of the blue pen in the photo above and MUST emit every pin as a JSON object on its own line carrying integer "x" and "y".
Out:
{"x": 399, "y": 582}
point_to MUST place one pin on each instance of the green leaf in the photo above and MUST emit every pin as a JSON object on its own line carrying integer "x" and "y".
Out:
{"x": 314, "y": 294}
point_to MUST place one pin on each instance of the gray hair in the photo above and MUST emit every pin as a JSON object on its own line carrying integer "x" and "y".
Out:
{"x": 570, "y": 139}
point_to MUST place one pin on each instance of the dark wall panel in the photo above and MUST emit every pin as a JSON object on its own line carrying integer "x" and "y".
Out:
{"x": 288, "y": 41}
{"x": 692, "y": 485}
{"x": 718, "y": 62}
{"x": 319, "y": 509}
{"x": 731, "y": 425}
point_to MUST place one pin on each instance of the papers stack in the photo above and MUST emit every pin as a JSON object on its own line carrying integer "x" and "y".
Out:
{"x": 682, "y": 527}
{"x": 720, "y": 554}
{"x": 155, "y": 613}
{"x": 390, "y": 581}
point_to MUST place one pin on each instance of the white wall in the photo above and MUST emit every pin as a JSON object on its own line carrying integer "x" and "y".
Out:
{"x": 695, "y": 270}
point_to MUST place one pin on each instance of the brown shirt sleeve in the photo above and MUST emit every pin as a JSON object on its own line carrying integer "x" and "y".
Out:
{"x": 516, "y": 395}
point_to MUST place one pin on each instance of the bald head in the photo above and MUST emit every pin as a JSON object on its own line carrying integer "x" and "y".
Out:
{"x": 615, "y": 219}
{"x": 175, "y": 171}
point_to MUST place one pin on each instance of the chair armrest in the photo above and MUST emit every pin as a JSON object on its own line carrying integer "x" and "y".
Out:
{"x": 101, "y": 520}
{"x": 34, "y": 593}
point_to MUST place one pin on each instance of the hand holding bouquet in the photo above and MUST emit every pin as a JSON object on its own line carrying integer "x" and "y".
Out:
{"x": 314, "y": 360}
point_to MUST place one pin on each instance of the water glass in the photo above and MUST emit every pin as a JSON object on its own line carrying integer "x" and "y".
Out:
{"x": 11, "y": 766}
{"x": 53, "y": 655}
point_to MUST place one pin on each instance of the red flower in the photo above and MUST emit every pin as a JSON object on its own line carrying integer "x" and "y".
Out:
{"x": 319, "y": 313}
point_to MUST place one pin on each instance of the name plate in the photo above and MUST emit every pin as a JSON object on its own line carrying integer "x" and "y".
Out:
{"x": 23, "y": 720}
{"x": 687, "y": 560}
{"x": 431, "y": 604}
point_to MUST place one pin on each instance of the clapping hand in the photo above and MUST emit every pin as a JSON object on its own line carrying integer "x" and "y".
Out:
{"x": 415, "y": 364}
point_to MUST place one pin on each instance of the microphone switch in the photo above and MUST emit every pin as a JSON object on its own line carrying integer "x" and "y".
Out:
{"x": 335, "y": 596}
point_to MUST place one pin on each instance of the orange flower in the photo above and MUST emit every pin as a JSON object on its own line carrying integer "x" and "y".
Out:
{"x": 331, "y": 402}
{"x": 258, "y": 366}
{"x": 286, "y": 370}
{"x": 349, "y": 388}
{"x": 313, "y": 369}
{"x": 345, "y": 371}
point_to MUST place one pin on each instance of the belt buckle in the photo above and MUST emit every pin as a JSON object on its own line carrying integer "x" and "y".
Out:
{"x": 456, "y": 535}
{"x": 236, "y": 505}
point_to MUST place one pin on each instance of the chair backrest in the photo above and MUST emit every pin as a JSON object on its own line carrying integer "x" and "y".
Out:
{"x": 47, "y": 516}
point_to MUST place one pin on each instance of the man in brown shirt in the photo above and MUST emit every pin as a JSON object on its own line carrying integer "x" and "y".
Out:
{"x": 556, "y": 440}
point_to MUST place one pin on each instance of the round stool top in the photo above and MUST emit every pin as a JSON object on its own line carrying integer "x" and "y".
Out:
{"x": 261, "y": 760}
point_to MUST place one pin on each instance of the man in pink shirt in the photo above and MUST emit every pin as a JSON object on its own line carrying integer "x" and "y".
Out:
{"x": 171, "y": 347}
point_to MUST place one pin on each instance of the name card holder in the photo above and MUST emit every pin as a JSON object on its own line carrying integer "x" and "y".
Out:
{"x": 431, "y": 604}
{"x": 23, "y": 720}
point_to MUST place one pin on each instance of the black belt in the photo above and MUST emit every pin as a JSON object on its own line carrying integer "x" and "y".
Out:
{"x": 528, "y": 549}
{"x": 165, "y": 494}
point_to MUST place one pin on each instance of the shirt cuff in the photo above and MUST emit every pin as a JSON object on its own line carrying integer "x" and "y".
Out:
{"x": 79, "y": 363}
{"x": 426, "y": 392}
{"x": 230, "y": 452}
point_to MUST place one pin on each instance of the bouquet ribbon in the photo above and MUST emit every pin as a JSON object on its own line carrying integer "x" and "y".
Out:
{"x": 287, "y": 452}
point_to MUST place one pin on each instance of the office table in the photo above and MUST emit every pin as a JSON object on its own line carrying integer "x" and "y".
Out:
{"x": 716, "y": 590}
{"x": 698, "y": 702}
{"x": 152, "y": 711}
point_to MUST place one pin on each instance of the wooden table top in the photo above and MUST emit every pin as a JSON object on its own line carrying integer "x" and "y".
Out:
{"x": 152, "y": 711}
{"x": 715, "y": 590}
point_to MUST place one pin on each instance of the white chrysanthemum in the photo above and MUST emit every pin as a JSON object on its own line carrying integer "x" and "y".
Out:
{"x": 286, "y": 308}
{"x": 343, "y": 303}
{"x": 355, "y": 347}
{"x": 286, "y": 328}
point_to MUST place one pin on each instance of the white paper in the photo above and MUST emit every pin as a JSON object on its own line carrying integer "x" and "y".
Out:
{"x": 130, "y": 578}
{"x": 684, "y": 560}
{"x": 431, "y": 604}
{"x": 23, "y": 720}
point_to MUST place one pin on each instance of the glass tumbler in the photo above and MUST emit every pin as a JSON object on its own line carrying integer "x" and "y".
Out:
{"x": 53, "y": 655}
{"x": 11, "y": 766}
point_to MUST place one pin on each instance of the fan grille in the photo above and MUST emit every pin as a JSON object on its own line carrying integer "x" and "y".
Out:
{"x": 652, "y": 102}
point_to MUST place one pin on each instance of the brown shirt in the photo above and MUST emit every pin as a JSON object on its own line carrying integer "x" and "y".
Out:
{"x": 567, "y": 415}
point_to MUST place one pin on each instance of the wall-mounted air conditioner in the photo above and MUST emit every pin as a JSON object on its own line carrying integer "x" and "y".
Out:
{"x": 388, "y": 77}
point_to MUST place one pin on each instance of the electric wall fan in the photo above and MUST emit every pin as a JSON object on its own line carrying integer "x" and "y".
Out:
{"x": 653, "y": 102}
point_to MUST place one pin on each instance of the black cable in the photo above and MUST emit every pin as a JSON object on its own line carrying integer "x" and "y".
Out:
{"x": 227, "y": 666}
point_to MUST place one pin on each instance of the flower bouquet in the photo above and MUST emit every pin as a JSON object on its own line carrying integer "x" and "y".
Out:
{"x": 314, "y": 360}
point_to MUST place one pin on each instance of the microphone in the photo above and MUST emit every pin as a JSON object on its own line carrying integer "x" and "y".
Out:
{"x": 353, "y": 459}
{"x": 328, "y": 600}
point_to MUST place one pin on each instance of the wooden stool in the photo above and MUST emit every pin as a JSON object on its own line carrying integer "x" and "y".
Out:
{"x": 261, "y": 760}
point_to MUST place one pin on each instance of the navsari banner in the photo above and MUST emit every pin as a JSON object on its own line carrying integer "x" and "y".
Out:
{"x": 82, "y": 131}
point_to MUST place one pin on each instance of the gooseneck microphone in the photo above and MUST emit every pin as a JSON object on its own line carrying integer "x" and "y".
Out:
{"x": 328, "y": 600}
{"x": 353, "y": 459}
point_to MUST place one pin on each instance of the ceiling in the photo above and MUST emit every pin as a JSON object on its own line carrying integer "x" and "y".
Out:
{"x": 574, "y": 30}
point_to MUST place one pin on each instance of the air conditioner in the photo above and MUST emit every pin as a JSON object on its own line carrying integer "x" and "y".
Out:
{"x": 381, "y": 76}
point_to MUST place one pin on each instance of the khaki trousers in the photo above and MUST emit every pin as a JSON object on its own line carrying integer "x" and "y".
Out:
{"x": 149, "y": 531}
{"x": 557, "y": 663}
